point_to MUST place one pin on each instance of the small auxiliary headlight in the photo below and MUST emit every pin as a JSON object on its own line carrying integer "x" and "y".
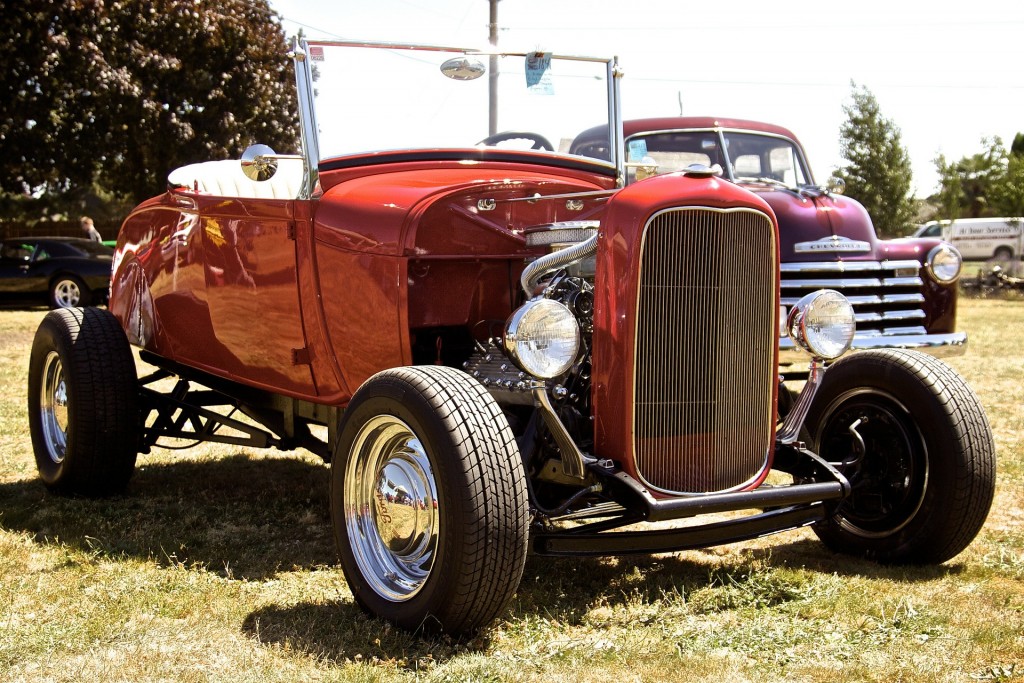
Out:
{"x": 543, "y": 338}
{"x": 823, "y": 323}
{"x": 944, "y": 263}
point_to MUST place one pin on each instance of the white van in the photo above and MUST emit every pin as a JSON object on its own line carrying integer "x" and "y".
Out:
{"x": 980, "y": 238}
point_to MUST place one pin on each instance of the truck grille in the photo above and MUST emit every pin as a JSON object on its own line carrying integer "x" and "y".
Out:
{"x": 886, "y": 295}
{"x": 705, "y": 368}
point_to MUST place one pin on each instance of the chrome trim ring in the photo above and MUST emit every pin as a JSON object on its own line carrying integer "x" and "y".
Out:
{"x": 391, "y": 510}
{"x": 66, "y": 293}
{"x": 53, "y": 408}
{"x": 929, "y": 263}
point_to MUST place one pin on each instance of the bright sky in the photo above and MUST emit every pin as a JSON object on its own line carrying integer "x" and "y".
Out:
{"x": 946, "y": 73}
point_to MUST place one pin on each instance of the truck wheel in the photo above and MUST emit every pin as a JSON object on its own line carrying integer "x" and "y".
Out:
{"x": 83, "y": 403}
{"x": 1003, "y": 254}
{"x": 912, "y": 438}
{"x": 68, "y": 291}
{"x": 429, "y": 501}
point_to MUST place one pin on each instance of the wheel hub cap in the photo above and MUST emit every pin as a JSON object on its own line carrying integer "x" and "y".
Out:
{"x": 391, "y": 512}
{"x": 53, "y": 406}
{"x": 68, "y": 294}
{"x": 890, "y": 482}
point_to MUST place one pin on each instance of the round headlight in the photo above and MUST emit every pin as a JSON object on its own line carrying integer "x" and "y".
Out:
{"x": 822, "y": 323}
{"x": 543, "y": 338}
{"x": 944, "y": 263}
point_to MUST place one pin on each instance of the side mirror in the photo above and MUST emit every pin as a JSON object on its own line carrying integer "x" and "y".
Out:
{"x": 259, "y": 163}
{"x": 464, "y": 68}
{"x": 836, "y": 185}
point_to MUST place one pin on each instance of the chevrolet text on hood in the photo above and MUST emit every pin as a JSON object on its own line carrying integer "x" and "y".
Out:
{"x": 502, "y": 347}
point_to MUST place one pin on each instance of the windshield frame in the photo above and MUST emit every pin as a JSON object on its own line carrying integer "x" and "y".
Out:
{"x": 307, "y": 109}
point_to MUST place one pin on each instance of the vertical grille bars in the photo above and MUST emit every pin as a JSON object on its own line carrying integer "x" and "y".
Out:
{"x": 705, "y": 349}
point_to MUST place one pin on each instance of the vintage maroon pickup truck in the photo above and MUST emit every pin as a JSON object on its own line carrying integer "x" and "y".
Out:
{"x": 499, "y": 344}
{"x": 904, "y": 291}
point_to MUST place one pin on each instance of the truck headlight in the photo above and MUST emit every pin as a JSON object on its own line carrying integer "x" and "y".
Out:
{"x": 543, "y": 338}
{"x": 944, "y": 263}
{"x": 822, "y": 323}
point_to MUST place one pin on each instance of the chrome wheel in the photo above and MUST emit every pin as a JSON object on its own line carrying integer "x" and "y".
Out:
{"x": 66, "y": 293}
{"x": 53, "y": 408}
{"x": 390, "y": 508}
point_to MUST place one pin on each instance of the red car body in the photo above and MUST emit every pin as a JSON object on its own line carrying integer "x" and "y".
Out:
{"x": 286, "y": 306}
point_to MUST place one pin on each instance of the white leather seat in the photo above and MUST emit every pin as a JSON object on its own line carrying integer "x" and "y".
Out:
{"x": 225, "y": 179}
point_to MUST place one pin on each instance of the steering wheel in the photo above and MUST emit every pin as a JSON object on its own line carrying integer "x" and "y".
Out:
{"x": 539, "y": 141}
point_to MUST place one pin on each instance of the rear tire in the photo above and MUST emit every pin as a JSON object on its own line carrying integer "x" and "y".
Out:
{"x": 429, "y": 501}
{"x": 83, "y": 403}
{"x": 1003, "y": 254}
{"x": 926, "y": 479}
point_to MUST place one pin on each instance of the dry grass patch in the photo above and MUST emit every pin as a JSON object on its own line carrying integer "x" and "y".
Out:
{"x": 218, "y": 565}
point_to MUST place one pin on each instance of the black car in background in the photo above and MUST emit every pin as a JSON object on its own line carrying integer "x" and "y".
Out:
{"x": 62, "y": 271}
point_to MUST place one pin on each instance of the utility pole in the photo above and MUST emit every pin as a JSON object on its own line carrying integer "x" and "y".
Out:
{"x": 492, "y": 76}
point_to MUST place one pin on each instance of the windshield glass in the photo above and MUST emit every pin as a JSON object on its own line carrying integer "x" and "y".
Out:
{"x": 377, "y": 98}
{"x": 743, "y": 157}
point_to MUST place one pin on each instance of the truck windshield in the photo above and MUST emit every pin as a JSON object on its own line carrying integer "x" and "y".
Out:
{"x": 370, "y": 98}
{"x": 743, "y": 157}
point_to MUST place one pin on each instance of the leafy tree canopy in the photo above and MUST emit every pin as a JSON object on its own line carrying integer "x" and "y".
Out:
{"x": 989, "y": 183}
{"x": 116, "y": 93}
{"x": 877, "y": 168}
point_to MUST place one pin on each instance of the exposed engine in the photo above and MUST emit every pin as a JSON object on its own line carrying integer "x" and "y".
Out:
{"x": 564, "y": 276}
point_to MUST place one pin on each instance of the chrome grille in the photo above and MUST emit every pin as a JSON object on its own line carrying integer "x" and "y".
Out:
{"x": 886, "y": 295}
{"x": 705, "y": 349}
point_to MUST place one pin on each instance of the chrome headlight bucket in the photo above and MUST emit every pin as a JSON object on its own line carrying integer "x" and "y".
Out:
{"x": 543, "y": 338}
{"x": 822, "y": 324}
{"x": 944, "y": 264}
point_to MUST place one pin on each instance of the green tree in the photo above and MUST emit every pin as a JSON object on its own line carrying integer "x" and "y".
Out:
{"x": 115, "y": 94}
{"x": 877, "y": 170}
{"x": 1018, "y": 144}
{"x": 979, "y": 185}
{"x": 1008, "y": 192}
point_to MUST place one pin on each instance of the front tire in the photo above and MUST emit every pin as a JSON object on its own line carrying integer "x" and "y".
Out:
{"x": 83, "y": 403}
{"x": 913, "y": 439}
{"x": 428, "y": 500}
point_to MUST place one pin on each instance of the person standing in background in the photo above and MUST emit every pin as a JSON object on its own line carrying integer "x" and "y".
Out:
{"x": 90, "y": 230}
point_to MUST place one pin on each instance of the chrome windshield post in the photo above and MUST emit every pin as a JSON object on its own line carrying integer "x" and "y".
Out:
{"x": 307, "y": 116}
{"x": 615, "y": 74}
{"x": 790, "y": 429}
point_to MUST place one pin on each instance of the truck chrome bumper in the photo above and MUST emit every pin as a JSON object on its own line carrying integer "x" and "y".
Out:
{"x": 792, "y": 359}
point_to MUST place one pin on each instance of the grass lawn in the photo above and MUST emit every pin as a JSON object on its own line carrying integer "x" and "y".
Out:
{"x": 218, "y": 565}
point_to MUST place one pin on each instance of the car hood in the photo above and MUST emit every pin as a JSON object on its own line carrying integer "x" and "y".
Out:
{"x": 816, "y": 227}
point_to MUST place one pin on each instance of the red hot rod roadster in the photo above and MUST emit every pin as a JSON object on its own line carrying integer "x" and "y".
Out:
{"x": 511, "y": 349}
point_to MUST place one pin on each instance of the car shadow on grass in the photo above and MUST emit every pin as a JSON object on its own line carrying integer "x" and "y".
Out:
{"x": 242, "y": 517}
{"x": 340, "y": 632}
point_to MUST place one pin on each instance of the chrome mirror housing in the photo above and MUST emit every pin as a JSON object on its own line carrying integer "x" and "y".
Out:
{"x": 259, "y": 163}
{"x": 835, "y": 185}
{"x": 463, "y": 68}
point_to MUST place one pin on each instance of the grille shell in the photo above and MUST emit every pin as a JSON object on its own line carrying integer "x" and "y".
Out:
{"x": 705, "y": 355}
